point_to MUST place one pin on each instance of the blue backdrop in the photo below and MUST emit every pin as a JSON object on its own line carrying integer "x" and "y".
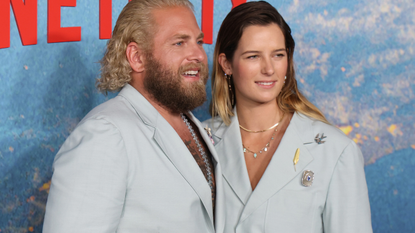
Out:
{"x": 354, "y": 60}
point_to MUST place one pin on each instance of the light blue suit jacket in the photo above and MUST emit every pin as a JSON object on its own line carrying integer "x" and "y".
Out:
{"x": 125, "y": 169}
{"x": 337, "y": 201}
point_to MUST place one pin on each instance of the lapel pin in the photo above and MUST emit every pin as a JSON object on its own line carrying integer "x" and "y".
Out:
{"x": 307, "y": 178}
{"x": 319, "y": 140}
{"x": 209, "y": 133}
{"x": 296, "y": 158}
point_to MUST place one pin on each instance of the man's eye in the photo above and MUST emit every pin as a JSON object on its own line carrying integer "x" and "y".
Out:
{"x": 252, "y": 57}
{"x": 179, "y": 43}
{"x": 200, "y": 42}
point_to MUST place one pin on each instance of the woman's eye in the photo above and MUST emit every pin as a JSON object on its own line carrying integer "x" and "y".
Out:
{"x": 279, "y": 55}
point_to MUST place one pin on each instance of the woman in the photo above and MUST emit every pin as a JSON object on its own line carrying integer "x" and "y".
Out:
{"x": 286, "y": 168}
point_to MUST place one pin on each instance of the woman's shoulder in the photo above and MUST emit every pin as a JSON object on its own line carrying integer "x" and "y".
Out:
{"x": 320, "y": 130}
{"x": 324, "y": 139}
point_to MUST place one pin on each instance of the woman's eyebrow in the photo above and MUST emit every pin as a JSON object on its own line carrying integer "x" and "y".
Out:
{"x": 255, "y": 51}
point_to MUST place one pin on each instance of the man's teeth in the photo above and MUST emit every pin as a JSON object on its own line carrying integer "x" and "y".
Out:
{"x": 191, "y": 72}
{"x": 265, "y": 83}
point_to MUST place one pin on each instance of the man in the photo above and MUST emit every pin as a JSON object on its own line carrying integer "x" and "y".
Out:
{"x": 141, "y": 162}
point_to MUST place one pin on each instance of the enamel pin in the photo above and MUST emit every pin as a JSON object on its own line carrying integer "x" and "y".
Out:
{"x": 319, "y": 140}
{"x": 296, "y": 158}
{"x": 307, "y": 178}
{"x": 209, "y": 133}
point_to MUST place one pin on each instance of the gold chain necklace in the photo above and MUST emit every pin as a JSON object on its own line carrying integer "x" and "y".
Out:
{"x": 260, "y": 131}
{"x": 265, "y": 148}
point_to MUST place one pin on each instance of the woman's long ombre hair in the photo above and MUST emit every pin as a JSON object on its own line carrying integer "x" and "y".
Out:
{"x": 261, "y": 13}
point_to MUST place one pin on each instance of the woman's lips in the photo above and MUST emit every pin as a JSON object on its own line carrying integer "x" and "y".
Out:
{"x": 266, "y": 84}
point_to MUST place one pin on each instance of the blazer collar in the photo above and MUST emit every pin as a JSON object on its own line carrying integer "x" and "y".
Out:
{"x": 232, "y": 158}
{"x": 147, "y": 113}
{"x": 173, "y": 147}
{"x": 280, "y": 170}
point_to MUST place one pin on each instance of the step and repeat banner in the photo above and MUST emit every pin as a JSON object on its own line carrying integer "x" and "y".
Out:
{"x": 354, "y": 59}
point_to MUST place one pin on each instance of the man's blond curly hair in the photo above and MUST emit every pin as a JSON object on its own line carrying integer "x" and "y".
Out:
{"x": 135, "y": 24}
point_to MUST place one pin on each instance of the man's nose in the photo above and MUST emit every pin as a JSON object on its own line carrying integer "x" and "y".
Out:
{"x": 197, "y": 53}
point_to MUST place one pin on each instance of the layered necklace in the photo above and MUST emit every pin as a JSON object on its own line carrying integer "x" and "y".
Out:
{"x": 265, "y": 148}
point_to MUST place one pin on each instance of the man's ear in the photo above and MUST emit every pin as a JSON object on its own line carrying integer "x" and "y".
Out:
{"x": 225, "y": 64}
{"x": 135, "y": 57}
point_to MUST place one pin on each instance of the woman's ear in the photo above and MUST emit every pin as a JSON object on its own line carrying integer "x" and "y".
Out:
{"x": 135, "y": 57}
{"x": 225, "y": 64}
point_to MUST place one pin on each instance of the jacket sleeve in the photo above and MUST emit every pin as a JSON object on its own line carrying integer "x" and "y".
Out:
{"x": 347, "y": 207}
{"x": 89, "y": 181}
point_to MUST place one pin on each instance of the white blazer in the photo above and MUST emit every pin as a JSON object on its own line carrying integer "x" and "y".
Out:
{"x": 336, "y": 202}
{"x": 125, "y": 169}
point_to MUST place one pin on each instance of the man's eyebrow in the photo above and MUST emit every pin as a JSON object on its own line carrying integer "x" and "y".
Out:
{"x": 201, "y": 36}
{"x": 181, "y": 36}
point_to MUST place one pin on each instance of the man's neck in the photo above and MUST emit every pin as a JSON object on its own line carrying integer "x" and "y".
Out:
{"x": 173, "y": 118}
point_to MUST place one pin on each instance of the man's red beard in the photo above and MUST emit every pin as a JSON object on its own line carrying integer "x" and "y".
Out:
{"x": 168, "y": 88}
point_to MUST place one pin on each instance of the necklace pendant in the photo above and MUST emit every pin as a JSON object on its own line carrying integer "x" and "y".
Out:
{"x": 264, "y": 149}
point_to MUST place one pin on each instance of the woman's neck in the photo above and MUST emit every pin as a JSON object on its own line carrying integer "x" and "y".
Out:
{"x": 258, "y": 116}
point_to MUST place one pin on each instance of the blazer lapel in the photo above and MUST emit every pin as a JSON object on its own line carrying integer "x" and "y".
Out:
{"x": 171, "y": 145}
{"x": 232, "y": 159}
{"x": 280, "y": 170}
{"x": 220, "y": 197}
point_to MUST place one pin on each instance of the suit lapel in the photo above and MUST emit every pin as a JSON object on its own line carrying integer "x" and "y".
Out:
{"x": 220, "y": 197}
{"x": 232, "y": 159}
{"x": 280, "y": 170}
{"x": 171, "y": 145}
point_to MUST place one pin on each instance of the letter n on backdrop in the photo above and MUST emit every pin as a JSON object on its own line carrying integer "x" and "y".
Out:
{"x": 25, "y": 14}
